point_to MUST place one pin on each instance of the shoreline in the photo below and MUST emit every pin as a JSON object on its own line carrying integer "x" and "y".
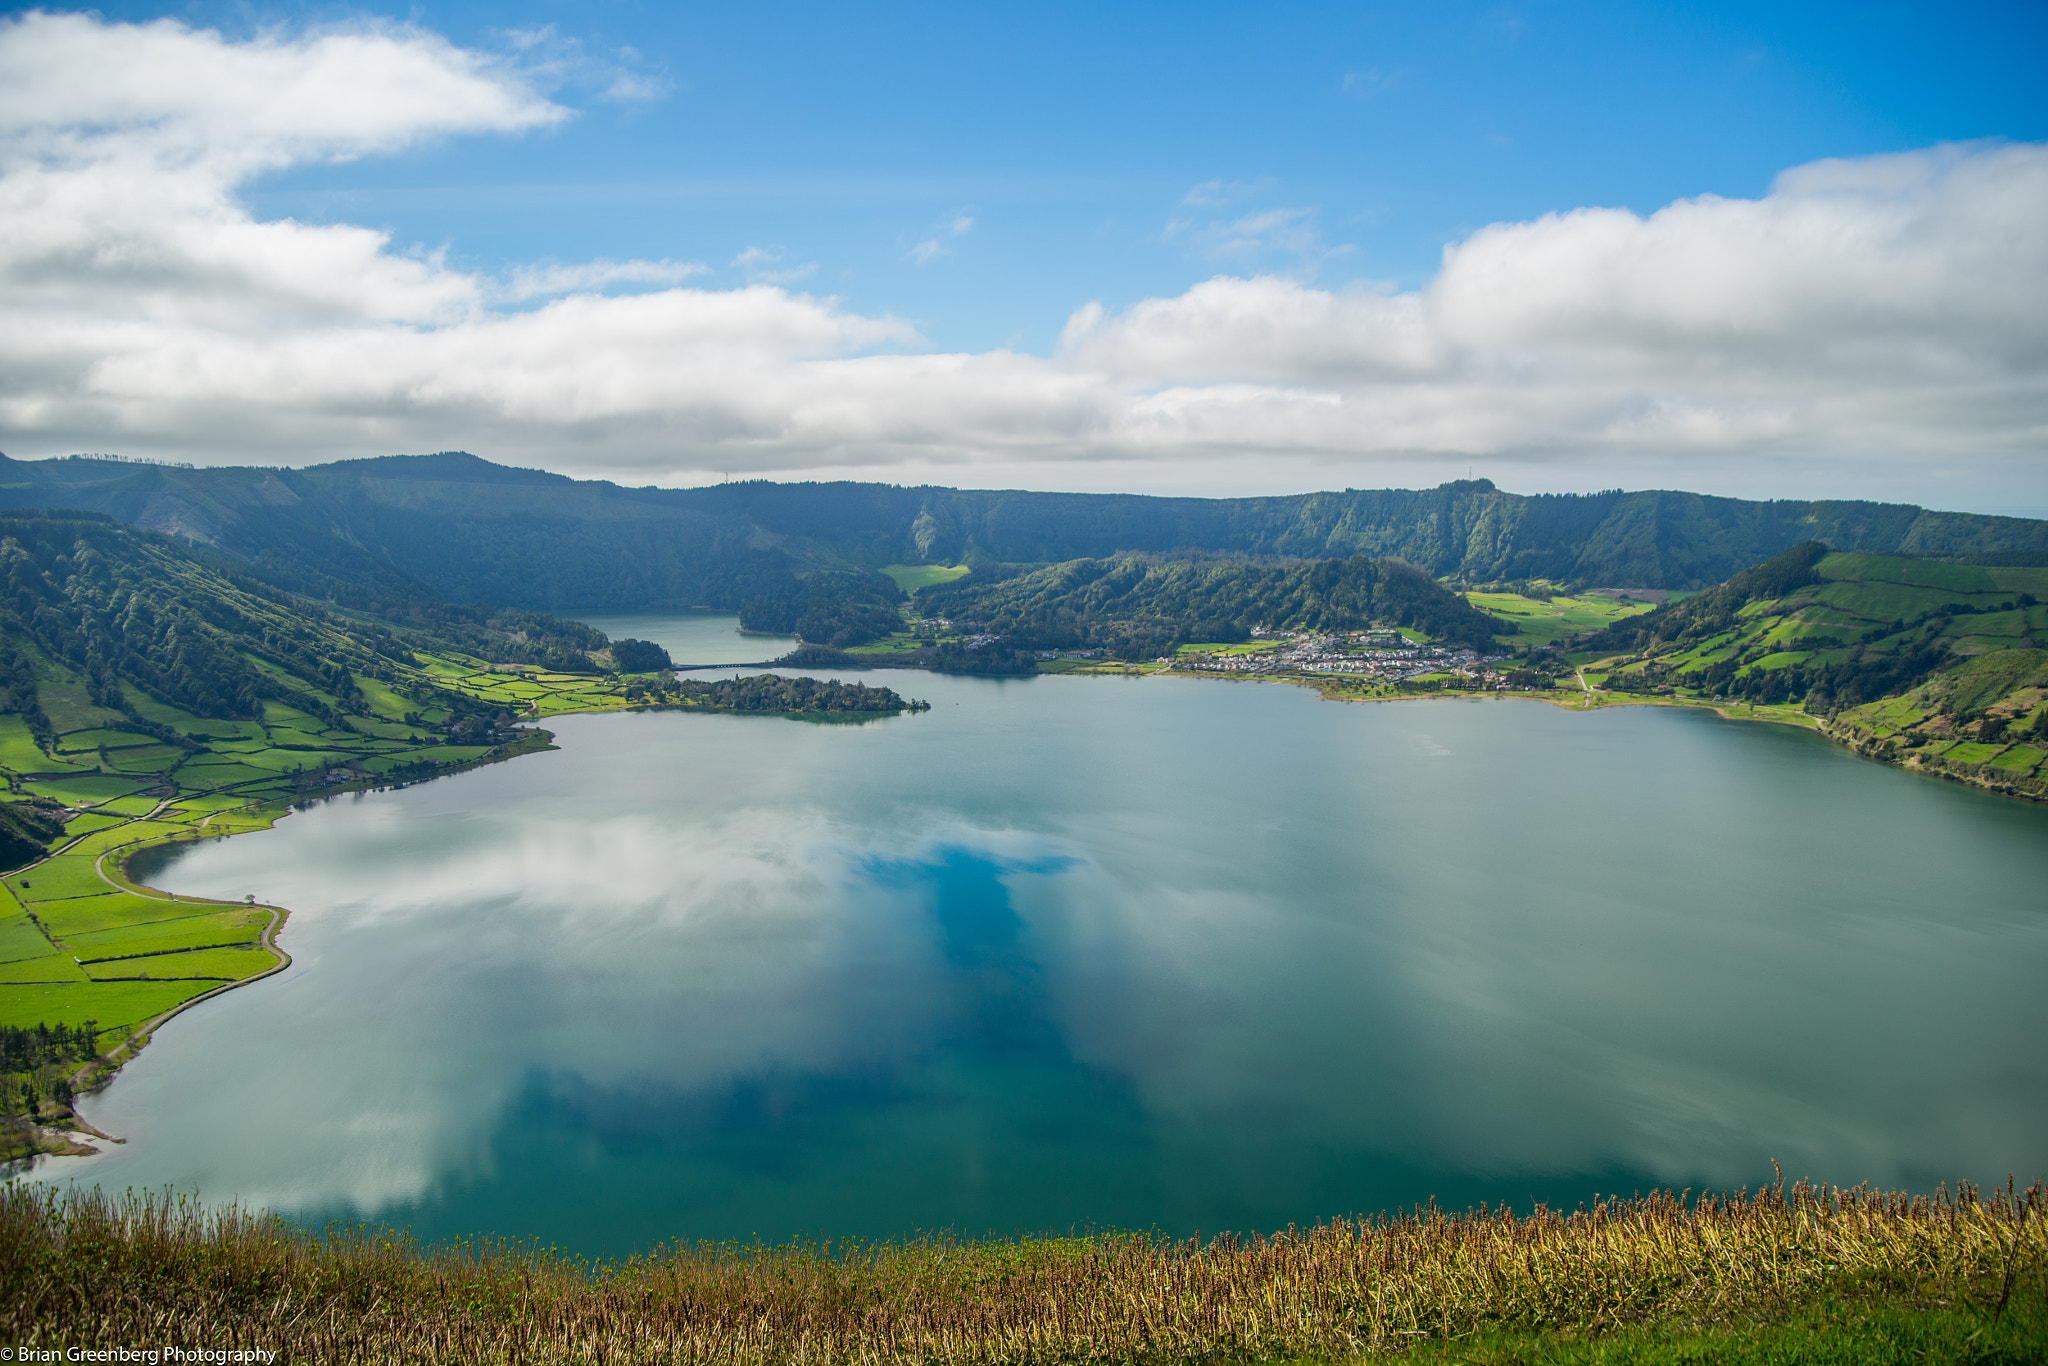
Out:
{"x": 55, "y": 1138}
{"x": 96, "y": 1075}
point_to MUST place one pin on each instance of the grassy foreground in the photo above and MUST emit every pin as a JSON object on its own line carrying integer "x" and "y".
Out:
{"x": 1806, "y": 1275}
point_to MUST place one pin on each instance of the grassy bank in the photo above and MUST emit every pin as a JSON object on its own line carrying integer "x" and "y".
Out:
{"x": 1807, "y": 1274}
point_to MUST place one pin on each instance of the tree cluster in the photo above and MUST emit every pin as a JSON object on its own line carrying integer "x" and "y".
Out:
{"x": 774, "y": 693}
{"x": 631, "y": 656}
{"x": 1138, "y": 607}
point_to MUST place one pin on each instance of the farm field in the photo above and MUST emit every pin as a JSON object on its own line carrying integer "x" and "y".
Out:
{"x": 81, "y": 943}
{"x": 1539, "y": 623}
{"x": 911, "y": 577}
{"x": 1926, "y": 664}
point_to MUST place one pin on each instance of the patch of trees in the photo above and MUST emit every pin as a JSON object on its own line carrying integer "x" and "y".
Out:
{"x": 836, "y": 608}
{"x": 28, "y": 1055}
{"x": 1137, "y": 607}
{"x": 774, "y": 693}
{"x": 631, "y": 656}
{"x": 26, "y": 830}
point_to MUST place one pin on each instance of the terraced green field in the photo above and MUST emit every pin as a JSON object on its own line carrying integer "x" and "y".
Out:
{"x": 1873, "y": 625}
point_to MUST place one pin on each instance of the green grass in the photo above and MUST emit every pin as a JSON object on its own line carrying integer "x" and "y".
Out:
{"x": 19, "y": 939}
{"x": 911, "y": 577}
{"x": 2018, "y": 580}
{"x": 84, "y": 923}
{"x": 115, "y": 1005}
{"x": 228, "y": 965}
{"x": 211, "y": 928}
{"x": 1839, "y": 1334}
{"x": 1540, "y": 623}
{"x": 87, "y": 789}
{"x": 59, "y": 879}
{"x": 18, "y": 752}
{"x": 87, "y": 740}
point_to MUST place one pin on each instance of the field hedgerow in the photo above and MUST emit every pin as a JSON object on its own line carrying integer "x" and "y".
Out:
{"x": 83, "y": 1269}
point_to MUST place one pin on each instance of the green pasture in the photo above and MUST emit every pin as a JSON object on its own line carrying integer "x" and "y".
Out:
{"x": 93, "y": 739}
{"x": 86, "y": 789}
{"x": 381, "y": 699}
{"x": 2020, "y": 759}
{"x": 1855, "y": 566}
{"x": 19, "y": 939}
{"x": 911, "y": 577}
{"x": 115, "y": 1005}
{"x": 59, "y": 879}
{"x": 2022, "y": 580}
{"x": 1539, "y": 623}
{"x": 134, "y": 804}
{"x": 117, "y": 916}
{"x": 213, "y": 777}
{"x": 70, "y": 708}
{"x": 164, "y": 714}
{"x": 1245, "y": 647}
{"x": 891, "y": 646}
{"x": 140, "y": 924}
{"x": 91, "y": 821}
{"x": 220, "y": 965}
{"x": 18, "y": 752}
{"x": 52, "y": 968}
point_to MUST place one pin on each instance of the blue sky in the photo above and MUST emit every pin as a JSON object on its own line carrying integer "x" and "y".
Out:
{"x": 928, "y": 202}
{"x": 843, "y": 136}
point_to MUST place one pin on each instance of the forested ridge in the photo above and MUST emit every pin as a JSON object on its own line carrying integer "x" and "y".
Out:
{"x": 1139, "y": 606}
{"x": 129, "y": 607}
{"x": 412, "y": 530}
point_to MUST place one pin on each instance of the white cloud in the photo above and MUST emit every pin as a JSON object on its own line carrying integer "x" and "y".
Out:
{"x": 932, "y": 248}
{"x": 769, "y": 266}
{"x": 1879, "y": 313}
{"x": 555, "y": 60}
{"x": 546, "y": 281}
{"x": 1248, "y": 237}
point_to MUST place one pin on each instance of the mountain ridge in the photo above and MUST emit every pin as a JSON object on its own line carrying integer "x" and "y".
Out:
{"x": 456, "y": 527}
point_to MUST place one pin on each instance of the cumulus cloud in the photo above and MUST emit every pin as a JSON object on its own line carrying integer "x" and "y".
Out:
{"x": 1880, "y": 309}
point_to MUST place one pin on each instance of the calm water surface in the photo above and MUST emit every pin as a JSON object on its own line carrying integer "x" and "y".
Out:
{"x": 1065, "y": 952}
{"x": 691, "y": 638}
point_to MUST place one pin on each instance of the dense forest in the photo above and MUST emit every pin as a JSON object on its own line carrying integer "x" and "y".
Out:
{"x": 774, "y": 693}
{"x": 1136, "y": 607}
{"x": 135, "y": 610}
{"x": 369, "y": 534}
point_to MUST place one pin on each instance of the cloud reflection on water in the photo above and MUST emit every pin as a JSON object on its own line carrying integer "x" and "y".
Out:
{"x": 1192, "y": 955}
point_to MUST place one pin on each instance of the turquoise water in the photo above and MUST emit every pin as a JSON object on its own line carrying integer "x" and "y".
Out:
{"x": 1068, "y": 952}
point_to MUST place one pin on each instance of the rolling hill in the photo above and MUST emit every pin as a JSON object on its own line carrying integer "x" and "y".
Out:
{"x": 1929, "y": 664}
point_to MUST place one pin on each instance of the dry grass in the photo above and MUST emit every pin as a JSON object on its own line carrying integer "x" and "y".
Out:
{"x": 88, "y": 1270}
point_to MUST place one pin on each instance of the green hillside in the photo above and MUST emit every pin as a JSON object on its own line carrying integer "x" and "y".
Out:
{"x": 151, "y": 692}
{"x": 453, "y": 527}
{"x": 1137, "y": 607}
{"x": 1931, "y": 664}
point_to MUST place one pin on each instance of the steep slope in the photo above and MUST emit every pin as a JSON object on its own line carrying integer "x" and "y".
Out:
{"x": 1926, "y": 663}
{"x": 467, "y": 530}
{"x": 1137, "y": 607}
